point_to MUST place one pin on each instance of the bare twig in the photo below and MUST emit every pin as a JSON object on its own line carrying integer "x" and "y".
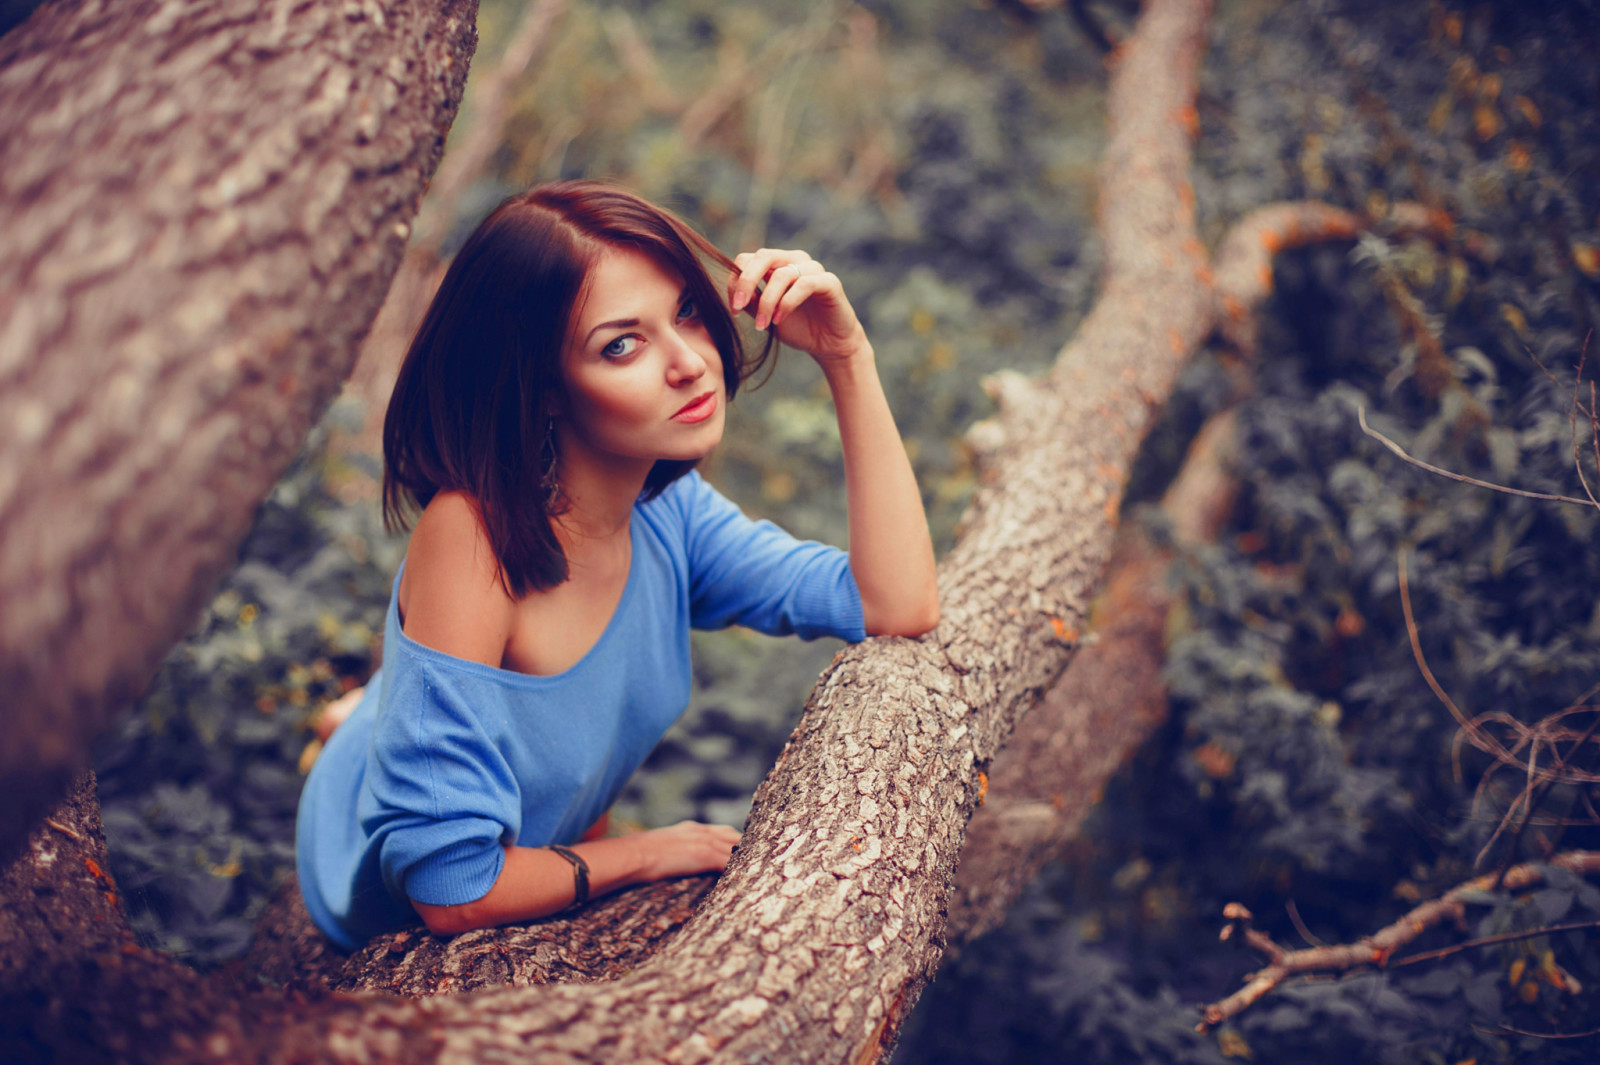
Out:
{"x": 1300, "y": 926}
{"x": 1361, "y": 416}
{"x": 1506, "y": 1029}
{"x": 1374, "y": 950}
{"x": 1486, "y": 941}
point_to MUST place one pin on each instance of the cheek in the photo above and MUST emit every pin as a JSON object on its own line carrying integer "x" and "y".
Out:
{"x": 618, "y": 400}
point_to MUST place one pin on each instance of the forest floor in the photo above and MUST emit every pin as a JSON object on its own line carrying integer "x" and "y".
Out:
{"x": 941, "y": 158}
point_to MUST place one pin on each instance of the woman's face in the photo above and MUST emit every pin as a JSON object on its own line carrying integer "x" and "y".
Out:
{"x": 643, "y": 377}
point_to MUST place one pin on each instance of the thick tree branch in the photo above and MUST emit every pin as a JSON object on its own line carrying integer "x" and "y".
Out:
{"x": 1111, "y": 698}
{"x": 201, "y": 206}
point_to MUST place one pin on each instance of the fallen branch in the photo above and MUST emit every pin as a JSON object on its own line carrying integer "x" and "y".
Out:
{"x": 1374, "y": 951}
{"x": 1111, "y": 697}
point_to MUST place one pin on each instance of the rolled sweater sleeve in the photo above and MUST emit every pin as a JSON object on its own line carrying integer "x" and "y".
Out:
{"x": 755, "y": 574}
{"x": 444, "y": 800}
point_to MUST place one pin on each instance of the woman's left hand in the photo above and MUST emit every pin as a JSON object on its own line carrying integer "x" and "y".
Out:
{"x": 804, "y": 303}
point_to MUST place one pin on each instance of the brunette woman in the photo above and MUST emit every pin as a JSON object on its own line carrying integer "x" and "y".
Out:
{"x": 574, "y": 367}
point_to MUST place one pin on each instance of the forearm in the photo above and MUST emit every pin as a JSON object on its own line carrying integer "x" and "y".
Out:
{"x": 536, "y": 882}
{"x": 891, "y": 553}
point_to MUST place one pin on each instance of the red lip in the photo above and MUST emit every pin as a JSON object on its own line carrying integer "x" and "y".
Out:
{"x": 698, "y": 409}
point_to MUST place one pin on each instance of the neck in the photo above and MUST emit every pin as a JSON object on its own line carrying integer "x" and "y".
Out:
{"x": 599, "y": 500}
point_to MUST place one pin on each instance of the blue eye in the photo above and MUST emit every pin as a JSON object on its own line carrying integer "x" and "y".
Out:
{"x": 621, "y": 347}
{"x": 687, "y": 310}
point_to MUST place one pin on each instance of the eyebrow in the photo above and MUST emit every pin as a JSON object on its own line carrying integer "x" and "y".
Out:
{"x": 629, "y": 323}
{"x": 619, "y": 323}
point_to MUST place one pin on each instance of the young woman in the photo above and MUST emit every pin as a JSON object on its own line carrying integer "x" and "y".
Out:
{"x": 574, "y": 367}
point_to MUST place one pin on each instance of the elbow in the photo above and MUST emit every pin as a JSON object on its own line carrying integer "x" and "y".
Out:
{"x": 447, "y": 920}
{"x": 910, "y": 621}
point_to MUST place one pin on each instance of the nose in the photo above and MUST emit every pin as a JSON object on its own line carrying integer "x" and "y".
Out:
{"x": 685, "y": 363}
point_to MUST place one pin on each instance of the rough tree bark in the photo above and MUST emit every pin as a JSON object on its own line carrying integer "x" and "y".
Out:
{"x": 201, "y": 206}
{"x": 817, "y": 940}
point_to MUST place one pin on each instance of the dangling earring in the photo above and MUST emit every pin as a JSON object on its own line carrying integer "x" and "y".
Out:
{"x": 549, "y": 482}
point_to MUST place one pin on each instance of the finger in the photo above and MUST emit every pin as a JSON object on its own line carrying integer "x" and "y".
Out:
{"x": 753, "y": 268}
{"x": 803, "y": 289}
{"x": 779, "y": 282}
{"x": 756, "y": 266}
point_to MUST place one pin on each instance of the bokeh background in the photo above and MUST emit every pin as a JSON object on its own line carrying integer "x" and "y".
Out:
{"x": 939, "y": 155}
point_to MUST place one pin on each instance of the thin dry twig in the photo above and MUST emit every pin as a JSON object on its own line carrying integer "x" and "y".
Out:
{"x": 1300, "y": 926}
{"x": 1374, "y": 950}
{"x": 1487, "y": 941}
{"x": 1361, "y": 416}
{"x": 1546, "y": 732}
{"x": 1506, "y": 1029}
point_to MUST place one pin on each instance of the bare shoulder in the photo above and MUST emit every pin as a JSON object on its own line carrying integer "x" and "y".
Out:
{"x": 451, "y": 598}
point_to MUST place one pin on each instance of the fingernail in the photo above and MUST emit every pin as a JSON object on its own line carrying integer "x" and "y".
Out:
{"x": 739, "y": 299}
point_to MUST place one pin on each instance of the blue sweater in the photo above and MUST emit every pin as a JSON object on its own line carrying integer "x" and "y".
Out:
{"x": 445, "y": 760}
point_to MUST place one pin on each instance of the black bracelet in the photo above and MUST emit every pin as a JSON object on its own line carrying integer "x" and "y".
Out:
{"x": 580, "y": 874}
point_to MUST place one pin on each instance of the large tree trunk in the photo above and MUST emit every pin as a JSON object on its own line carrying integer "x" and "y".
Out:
{"x": 201, "y": 206}
{"x": 821, "y": 934}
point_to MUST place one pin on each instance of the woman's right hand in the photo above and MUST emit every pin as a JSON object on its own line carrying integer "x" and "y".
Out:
{"x": 684, "y": 849}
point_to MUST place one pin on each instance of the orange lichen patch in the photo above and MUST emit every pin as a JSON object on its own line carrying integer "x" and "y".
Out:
{"x": 1202, "y": 274}
{"x": 1193, "y": 248}
{"x": 1064, "y": 632}
{"x": 983, "y": 786}
{"x": 94, "y": 869}
{"x": 1586, "y": 257}
{"x": 1518, "y": 157}
{"x": 1175, "y": 341}
{"x": 1264, "y": 277}
{"x": 1186, "y": 193}
{"x": 1529, "y": 110}
{"x": 1233, "y": 307}
{"x": 1189, "y": 118}
{"x": 1109, "y": 472}
{"x": 1215, "y": 760}
{"x": 1113, "y": 507}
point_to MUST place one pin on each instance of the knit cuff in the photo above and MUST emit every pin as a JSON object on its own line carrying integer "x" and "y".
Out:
{"x": 458, "y": 873}
{"x": 825, "y": 601}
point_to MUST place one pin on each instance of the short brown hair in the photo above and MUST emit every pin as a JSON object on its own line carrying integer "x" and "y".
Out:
{"x": 472, "y": 405}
